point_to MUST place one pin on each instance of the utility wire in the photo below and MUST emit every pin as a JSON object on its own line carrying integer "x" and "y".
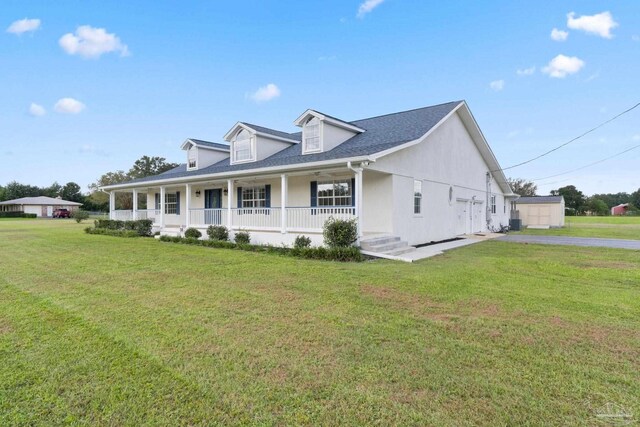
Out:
{"x": 570, "y": 141}
{"x": 590, "y": 164}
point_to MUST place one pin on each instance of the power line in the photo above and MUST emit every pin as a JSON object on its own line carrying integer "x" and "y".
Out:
{"x": 570, "y": 141}
{"x": 590, "y": 164}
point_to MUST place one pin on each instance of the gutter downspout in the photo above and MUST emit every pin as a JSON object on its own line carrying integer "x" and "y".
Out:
{"x": 488, "y": 209}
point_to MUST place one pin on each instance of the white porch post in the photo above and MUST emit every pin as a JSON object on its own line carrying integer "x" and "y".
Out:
{"x": 188, "y": 207}
{"x": 162, "y": 193}
{"x": 229, "y": 200}
{"x": 135, "y": 204}
{"x": 284, "y": 190}
{"x": 359, "y": 209}
{"x": 112, "y": 205}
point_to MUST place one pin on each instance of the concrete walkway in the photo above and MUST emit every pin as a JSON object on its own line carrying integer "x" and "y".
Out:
{"x": 572, "y": 241}
{"x": 440, "y": 248}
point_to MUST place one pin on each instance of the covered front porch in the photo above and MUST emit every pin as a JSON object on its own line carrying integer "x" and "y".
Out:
{"x": 264, "y": 205}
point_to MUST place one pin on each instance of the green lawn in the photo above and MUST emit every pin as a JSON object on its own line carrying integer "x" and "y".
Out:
{"x": 595, "y": 226}
{"x": 99, "y": 330}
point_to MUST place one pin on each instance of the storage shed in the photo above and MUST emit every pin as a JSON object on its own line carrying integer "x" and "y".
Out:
{"x": 541, "y": 211}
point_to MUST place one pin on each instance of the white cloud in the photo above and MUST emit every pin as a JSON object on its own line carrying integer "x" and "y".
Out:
{"x": 561, "y": 66}
{"x": 265, "y": 93}
{"x": 68, "y": 106}
{"x": 90, "y": 42}
{"x": 23, "y": 26}
{"x": 367, "y": 6}
{"x": 36, "y": 110}
{"x": 526, "y": 71}
{"x": 497, "y": 85}
{"x": 559, "y": 35}
{"x": 600, "y": 24}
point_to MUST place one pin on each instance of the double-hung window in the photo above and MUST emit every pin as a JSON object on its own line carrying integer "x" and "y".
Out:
{"x": 193, "y": 152}
{"x": 335, "y": 193}
{"x": 312, "y": 135}
{"x": 417, "y": 197}
{"x": 254, "y": 197}
{"x": 493, "y": 205}
{"x": 170, "y": 203}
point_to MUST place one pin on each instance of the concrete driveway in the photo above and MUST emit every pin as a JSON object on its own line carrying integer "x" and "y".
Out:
{"x": 572, "y": 241}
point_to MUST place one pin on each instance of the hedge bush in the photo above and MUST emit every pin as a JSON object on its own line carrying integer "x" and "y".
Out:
{"x": 302, "y": 242}
{"x": 340, "y": 233}
{"x": 142, "y": 226}
{"x": 17, "y": 215}
{"x": 192, "y": 233}
{"x": 110, "y": 232}
{"x": 349, "y": 254}
{"x": 242, "y": 238}
{"x": 218, "y": 232}
{"x": 80, "y": 215}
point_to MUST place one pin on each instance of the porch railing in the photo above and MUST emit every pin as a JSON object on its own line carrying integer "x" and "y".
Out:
{"x": 151, "y": 214}
{"x": 314, "y": 218}
{"x": 122, "y": 215}
{"x": 256, "y": 218}
{"x": 198, "y": 217}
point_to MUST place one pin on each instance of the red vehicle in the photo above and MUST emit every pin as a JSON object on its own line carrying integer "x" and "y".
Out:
{"x": 61, "y": 213}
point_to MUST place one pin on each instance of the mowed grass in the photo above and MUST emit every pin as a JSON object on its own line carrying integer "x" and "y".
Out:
{"x": 613, "y": 227}
{"x": 99, "y": 330}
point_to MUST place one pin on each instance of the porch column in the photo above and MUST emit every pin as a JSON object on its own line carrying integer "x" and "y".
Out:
{"x": 188, "y": 207}
{"x": 112, "y": 205}
{"x": 229, "y": 200}
{"x": 162, "y": 194}
{"x": 284, "y": 190}
{"x": 135, "y": 204}
{"x": 359, "y": 209}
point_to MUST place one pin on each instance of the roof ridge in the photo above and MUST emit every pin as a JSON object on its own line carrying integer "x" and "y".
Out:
{"x": 407, "y": 111}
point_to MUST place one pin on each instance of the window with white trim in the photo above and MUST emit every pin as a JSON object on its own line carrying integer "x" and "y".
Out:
{"x": 192, "y": 157}
{"x": 254, "y": 197}
{"x": 242, "y": 147}
{"x": 312, "y": 135}
{"x": 170, "y": 203}
{"x": 335, "y": 193}
{"x": 417, "y": 197}
{"x": 493, "y": 204}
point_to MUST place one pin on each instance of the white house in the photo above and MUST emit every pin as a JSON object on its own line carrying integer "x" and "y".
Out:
{"x": 416, "y": 176}
{"x": 42, "y": 206}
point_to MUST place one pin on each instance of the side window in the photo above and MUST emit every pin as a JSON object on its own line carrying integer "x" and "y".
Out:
{"x": 417, "y": 197}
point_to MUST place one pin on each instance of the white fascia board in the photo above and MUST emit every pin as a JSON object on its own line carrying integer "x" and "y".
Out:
{"x": 229, "y": 135}
{"x": 338, "y": 123}
{"x": 234, "y": 174}
{"x": 277, "y": 138}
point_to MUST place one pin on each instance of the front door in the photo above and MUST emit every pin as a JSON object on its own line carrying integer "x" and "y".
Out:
{"x": 49, "y": 211}
{"x": 212, "y": 202}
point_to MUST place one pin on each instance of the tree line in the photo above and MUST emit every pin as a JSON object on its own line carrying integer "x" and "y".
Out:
{"x": 94, "y": 200}
{"x": 577, "y": 202}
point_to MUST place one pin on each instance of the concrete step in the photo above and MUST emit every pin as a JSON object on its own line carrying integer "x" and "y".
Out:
{"x": 400, "y": 251}
{"x": 377, "y": 241}
{"x": 386, "y": 246}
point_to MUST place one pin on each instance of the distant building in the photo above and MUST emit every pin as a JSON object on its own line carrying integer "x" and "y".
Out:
{"x": 541, "y": 211}
{"x": 620, "y": 209}
{"x": 42, "y": 206}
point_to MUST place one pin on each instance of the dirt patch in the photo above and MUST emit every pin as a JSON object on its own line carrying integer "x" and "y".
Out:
{"x": 419, "y": 305}
{"x": 5, "y": 327}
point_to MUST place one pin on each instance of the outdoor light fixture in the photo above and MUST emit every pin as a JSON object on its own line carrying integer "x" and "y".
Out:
{"x": 225, "y": 191}
{"x": 197, "y": 193}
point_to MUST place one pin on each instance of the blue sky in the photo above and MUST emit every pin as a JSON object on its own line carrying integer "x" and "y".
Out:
{"x": 160, "y": 72}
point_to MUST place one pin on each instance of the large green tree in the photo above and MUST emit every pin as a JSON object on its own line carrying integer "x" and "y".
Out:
{"x": 614, "y": 199}
{"x": 523, "y": 187}
{"x": 597, "y": 206}
{"x": 573, "y": 198}
{"x": 149, "y": 166}
{"x": 71, "y": 191}
{"x": 15, "y": 190}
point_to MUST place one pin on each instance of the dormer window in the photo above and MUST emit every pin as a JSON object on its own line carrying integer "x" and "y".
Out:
{"x": 311, "y": 134}
{"x": 242, "y": 146}
{"x": 193, "y": 157}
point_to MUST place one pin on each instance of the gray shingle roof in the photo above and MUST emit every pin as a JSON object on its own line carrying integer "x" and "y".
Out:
{"x": 216, "y": 145}
{"x": 273, "y": 132}
{"x": 381, "y": 133}
{"x": 40, "y": 200}
{"x": 539, "y": 199}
